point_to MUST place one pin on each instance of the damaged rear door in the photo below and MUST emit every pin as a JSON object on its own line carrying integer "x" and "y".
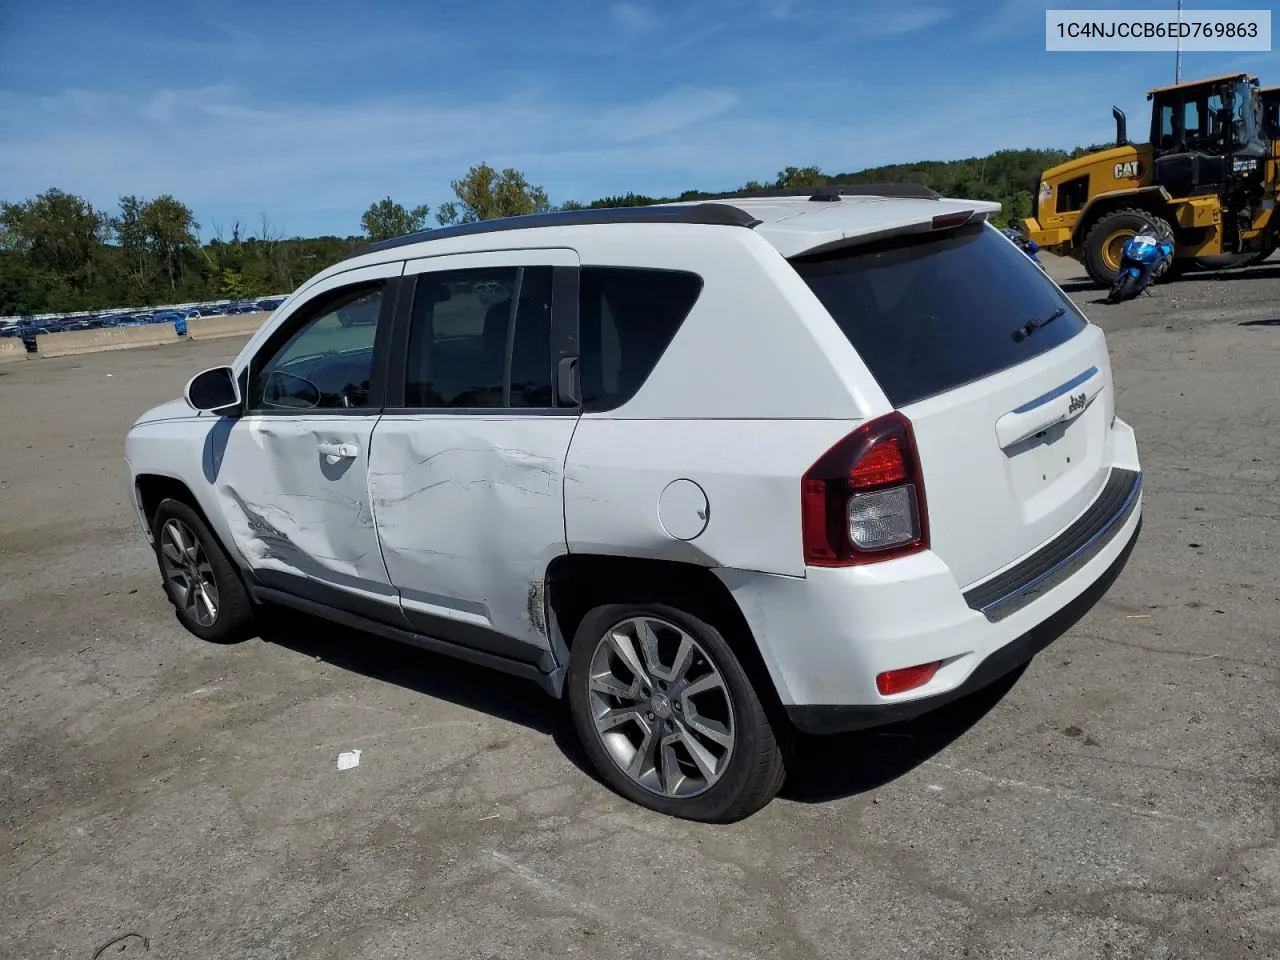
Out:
{"x": 467, "y": 465}
{"x": 292, "y": 475}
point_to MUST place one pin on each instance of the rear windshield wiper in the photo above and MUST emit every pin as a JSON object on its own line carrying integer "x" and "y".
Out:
{"x": 1031, "y": 326}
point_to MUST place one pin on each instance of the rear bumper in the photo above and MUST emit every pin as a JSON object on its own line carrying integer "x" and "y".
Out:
{"x": 824, "y": 637}
{"x": 836, "y": 718}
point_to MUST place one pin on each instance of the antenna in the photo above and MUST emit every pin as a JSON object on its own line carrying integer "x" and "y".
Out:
{"x": 1177, "y": 70}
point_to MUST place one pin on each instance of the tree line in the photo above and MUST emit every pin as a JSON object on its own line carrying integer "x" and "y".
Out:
{"x": 59, "y": 253}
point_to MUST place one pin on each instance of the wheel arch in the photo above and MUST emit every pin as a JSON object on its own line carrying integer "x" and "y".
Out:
{"x": 1155, "y": 200}
{"x": 152, "y": 489}
{"x": 577, "y": 582}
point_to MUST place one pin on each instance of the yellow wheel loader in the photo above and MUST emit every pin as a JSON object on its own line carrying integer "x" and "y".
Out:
{"x": 1207, "y": 175}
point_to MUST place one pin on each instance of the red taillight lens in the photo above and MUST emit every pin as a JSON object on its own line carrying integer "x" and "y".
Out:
{"x": 908, "y": 678}
{"x": 863, "y": 500}
{"x": 883, "y": 463}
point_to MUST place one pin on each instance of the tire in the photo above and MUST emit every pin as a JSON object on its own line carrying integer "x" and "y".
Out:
{"x": 1261, "y": 255}
{"x": 1108, "y": 233}
{"x": 741, "y": 767}
{"x": 1124, "y": 290}
{"x": 177, "y": 525}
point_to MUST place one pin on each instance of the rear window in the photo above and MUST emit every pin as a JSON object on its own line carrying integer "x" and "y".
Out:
{"x": 931, "y": 313}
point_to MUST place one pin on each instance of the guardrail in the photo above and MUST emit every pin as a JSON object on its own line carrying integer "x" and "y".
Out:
{"x": 75, "y": 342}
{"x": 215, "y": 328}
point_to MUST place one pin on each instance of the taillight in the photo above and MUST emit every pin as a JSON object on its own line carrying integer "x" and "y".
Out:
{"x": 863, "y": 501}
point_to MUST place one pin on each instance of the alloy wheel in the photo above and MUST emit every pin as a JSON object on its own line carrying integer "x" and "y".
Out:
{"x": 187, "y": 570}
{"x": 661, "y": 707}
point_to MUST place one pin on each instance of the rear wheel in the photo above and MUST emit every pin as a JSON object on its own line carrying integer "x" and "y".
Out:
{"x": 1104, "y": 243}
{"x": 1261, "y": 255}
{"x": 199, "y": 579}
{"x": 668, "y": 716}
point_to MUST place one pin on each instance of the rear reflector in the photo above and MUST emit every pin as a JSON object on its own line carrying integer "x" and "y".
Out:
{"x": 908, "y": 678}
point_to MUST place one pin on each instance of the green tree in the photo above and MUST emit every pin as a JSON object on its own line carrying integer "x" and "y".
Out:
{"x": 54, "y": 231}
{"x": 799, "y": 177}
{"x": 387, "y": 219}
{"x": 485, "y": 194}
{"x": 158, "y": 243}
{"x": 627, "y": 200}
{"x": 231, "y": 285}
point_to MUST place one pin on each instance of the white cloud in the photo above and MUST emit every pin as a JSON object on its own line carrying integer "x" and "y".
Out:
{"x": 631, "y": 15}
{"x": 896, "y": 22}
{"x": 670, "y": 112}
{"x": 316, "y": 167}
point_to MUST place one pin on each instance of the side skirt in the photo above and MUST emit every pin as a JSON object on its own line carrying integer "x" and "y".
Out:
{"x": 551, "y": 683}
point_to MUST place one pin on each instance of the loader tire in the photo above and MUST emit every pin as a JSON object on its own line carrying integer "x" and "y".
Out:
{"x": 1105, "y": 240}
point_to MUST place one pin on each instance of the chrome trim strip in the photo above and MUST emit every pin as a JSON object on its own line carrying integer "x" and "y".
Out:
{"x": 1015, "y": 600}
{"x": 1057, "y": 391}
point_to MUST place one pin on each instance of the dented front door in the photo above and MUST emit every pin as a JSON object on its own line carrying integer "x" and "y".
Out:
{"x": 292, "y": 472}
{"x": 467, "y": 464}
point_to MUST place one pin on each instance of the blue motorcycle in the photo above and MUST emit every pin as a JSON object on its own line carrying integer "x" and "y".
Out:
{"x": 1024, "y": 243}
{"x": 1144, "y": 258}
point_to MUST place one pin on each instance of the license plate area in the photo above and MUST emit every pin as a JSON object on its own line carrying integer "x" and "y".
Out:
{"x": 1056, "y": 457}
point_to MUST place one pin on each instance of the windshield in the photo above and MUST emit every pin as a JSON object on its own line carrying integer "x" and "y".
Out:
{"x": 1225, "y": 114}
{"x": 931, "y": 313}
{"x": 1206, "y": 117}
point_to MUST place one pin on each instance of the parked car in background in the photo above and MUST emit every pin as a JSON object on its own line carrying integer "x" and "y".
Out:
{"x": 270, "y": 303}
{"x": 177, "y": 317}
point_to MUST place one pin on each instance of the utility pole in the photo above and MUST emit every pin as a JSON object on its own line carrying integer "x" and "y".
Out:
{"x": 1177, "y": 70}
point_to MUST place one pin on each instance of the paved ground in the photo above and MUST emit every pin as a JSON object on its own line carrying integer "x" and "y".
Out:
{"x": 1118, "y": 800}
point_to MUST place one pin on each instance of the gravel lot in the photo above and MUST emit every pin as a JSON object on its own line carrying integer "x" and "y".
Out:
{"x": 1116, "y": 800}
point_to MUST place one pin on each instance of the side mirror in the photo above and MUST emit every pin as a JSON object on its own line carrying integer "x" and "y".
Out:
{"x": 213, "y": 390}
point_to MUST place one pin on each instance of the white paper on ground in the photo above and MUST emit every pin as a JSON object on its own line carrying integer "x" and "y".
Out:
{"x": 349, "y": 759}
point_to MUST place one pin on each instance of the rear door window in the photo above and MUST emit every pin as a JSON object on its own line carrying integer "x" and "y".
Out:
{"x": 931, "y": 313}
{"x": 627, "y": 316}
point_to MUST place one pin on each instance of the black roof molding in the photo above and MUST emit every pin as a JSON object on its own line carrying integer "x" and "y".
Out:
{"x": 834, "y": 191}
{"x": 707, "y": 214}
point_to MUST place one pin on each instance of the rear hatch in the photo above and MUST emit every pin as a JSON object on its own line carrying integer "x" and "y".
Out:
{"x": 1007, "y": 386}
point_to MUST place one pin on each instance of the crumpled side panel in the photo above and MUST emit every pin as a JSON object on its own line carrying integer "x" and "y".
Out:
{"x": 292, "y": 510}
{"x": 471, "y": 511}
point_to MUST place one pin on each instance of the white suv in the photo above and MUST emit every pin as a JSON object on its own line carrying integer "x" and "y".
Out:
{"x": 713, "y": 471}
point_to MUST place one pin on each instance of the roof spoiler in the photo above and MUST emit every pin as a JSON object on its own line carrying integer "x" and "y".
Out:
{"x": 980, "y": 212}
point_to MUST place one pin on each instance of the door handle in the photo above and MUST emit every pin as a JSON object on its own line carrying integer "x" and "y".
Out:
{"x": 339, "y": 451}
{"x": 1062, "y": 403}
{"x": 567, "y": 392}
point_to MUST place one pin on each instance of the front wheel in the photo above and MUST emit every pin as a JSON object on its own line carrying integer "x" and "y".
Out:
{"x": 668, "y": 716}
{"x": 1105, "y": 240}
{"x": 199, "y": 579}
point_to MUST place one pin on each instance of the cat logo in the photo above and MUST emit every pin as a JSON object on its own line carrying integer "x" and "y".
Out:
{"x": 1129, "y": 170}
{"x": 1077, "y": 403}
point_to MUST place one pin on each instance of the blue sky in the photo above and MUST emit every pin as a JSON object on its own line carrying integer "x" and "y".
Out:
{"x": 310, "y": 111}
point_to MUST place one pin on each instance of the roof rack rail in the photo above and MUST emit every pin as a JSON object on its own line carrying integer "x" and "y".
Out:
{"x": 834, "y": 191}
{"x": 708, "y": 214}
